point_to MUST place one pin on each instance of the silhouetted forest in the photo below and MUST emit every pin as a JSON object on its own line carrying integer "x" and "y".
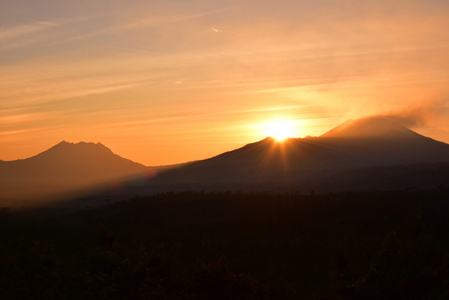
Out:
{"x": 194, "y": 245}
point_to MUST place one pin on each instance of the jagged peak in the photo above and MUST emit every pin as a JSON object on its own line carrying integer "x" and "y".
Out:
{"x": 64, "y": 142}
{"x": 70, "y": 148}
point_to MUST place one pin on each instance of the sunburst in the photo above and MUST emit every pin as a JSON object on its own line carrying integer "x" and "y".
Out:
{"x": 280, "y": 130}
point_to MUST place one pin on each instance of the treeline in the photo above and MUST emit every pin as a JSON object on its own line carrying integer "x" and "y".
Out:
{"x": 194, "y": 245}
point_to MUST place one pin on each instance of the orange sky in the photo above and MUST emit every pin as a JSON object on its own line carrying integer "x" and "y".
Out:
{"x": 164, "y": 82}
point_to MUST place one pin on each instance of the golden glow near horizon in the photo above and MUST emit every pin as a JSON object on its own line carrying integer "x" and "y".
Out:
{"x": 280, "y": 130}
{"x": 148, "y": 78}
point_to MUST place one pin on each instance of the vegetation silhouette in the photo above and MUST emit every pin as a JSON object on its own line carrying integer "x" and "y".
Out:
{"x": 234, "y": 245}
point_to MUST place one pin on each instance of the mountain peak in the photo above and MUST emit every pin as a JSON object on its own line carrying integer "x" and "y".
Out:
{"x": 64, "y": 143}
{"x": 68, "y": 149}
{"x": 65, "y": 166}
{"x": 370, "y": 127}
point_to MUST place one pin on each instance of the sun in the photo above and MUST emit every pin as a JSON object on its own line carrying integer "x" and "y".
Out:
{"x": 280, "y": 130}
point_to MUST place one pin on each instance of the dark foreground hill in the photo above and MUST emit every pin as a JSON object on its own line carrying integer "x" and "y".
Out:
{"x": 371, "y": 245}
{"x": 64, "y": 167}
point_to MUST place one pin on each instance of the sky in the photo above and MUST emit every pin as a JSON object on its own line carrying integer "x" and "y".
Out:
{"x": 170, "y": 81}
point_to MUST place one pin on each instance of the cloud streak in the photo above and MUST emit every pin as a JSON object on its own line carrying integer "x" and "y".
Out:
{"x": 415, "y": 116}
{"x": 28, "y": 29}
{"x": 216, "y": 30}
{"x": 172, "y": 18}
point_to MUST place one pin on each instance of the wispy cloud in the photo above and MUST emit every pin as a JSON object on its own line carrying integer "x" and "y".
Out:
{"x": 15, "y": 132}
{"x": 216, "y": 30}
{"x": 102, "y": 90}
{"x": 156, "y": 20}
{"x": 18, "y": 118}
{"x": 27, "y": 29}
{"x": 420, "y": 114}
{"x": 51, "y": 93}
{"x": 44, "y": 33}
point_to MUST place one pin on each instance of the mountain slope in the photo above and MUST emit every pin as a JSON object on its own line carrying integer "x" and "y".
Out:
{"x": 65, "y": 166}
{"x": 296, "y": 163}
{"x": 371, "y": 127}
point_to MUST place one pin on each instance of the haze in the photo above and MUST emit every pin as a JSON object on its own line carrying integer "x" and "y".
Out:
{"x": 163, "y": 82}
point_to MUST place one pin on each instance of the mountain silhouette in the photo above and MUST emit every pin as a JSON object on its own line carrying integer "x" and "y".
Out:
{"x": 374, "y": 153}
{"x": 65, "y": 166}
{"x": 373, "y": 127}
{"x": 324, "y": 162}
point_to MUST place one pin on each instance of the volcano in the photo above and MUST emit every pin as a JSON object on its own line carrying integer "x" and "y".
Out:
{"x": 64, "y": 167}
{"x": 354, "y": 147}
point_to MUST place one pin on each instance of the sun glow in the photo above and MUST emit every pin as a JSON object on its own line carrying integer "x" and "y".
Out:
{"x": 280, "y": 129}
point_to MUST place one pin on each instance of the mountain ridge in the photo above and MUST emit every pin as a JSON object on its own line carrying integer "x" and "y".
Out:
{"x": 63, "y": 167}
{"x": 341, "y": 158}
{"x": 299, "y": 162}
